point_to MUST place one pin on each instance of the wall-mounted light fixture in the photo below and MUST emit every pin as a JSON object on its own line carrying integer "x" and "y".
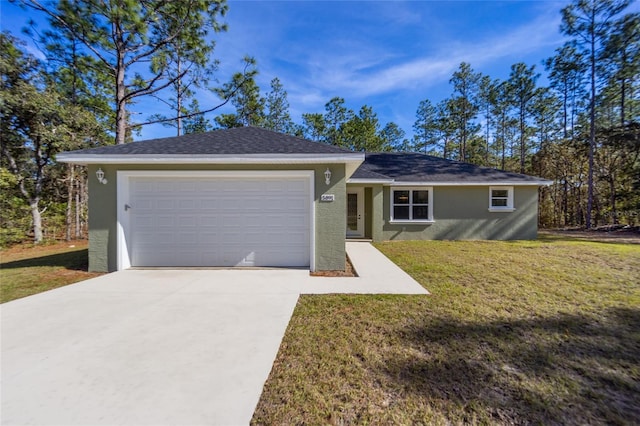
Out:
{"x": 327, "y": 176}
{"x": 100, "y": 176}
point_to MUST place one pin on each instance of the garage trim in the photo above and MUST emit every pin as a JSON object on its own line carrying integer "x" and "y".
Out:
{"x": 123, "y": 180}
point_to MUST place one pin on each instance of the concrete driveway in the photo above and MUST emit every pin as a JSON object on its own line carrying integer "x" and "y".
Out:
{"x": 159, "y": 347}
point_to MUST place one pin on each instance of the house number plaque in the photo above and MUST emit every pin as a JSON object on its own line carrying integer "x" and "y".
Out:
{"x": 327, "y": 198}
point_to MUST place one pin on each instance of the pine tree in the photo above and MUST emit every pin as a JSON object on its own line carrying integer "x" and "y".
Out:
{"x": 126, "y": 34}
{"x": 394, "y": 137}
{"x": 335, "y": 117}
{"x": 522, "y": 87}
{"x": 566, "y": 74}
{"x": 425, "y": 127}
{"x": 313, "y": 126}
{"x": 589, "y": 22}
{"x": 277, "y": 117}
{"x": 464, "y": 105}
{"x": 244, "y": 94}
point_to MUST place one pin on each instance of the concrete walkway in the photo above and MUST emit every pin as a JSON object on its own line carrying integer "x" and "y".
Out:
{"x": 159, "y": 347}
{"x": 376, "y": 275}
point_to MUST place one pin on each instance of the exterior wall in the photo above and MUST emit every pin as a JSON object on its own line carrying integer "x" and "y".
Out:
{"x": 459, "y": 213}
{"x": 368, "y": 213}
{"x": 330, "y": 218}
{"x": 102, "y": 221}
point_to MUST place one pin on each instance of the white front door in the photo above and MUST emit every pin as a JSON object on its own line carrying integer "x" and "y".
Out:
{"x": 355, "y": 213}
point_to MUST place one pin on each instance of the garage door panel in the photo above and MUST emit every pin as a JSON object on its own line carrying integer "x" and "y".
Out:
{"x": 207, "y": 222}
{"x": 185, "y": 238}
{"x": 164, "y": 221}
{"x": 168, "y": 204}
{"x": 216, "y": 221}
{"x": 188, "y": 220}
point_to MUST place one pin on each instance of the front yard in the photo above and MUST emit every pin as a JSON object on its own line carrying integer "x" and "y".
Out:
{"x": 27, "y": 269}
{"x": 542, "y": 332}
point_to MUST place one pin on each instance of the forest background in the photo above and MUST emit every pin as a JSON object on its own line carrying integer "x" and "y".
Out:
{"x": 581, "y": 130}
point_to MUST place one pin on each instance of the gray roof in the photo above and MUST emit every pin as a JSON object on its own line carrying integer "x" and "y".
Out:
{"x": 236, "y": 141}
{"x": 368, "y": 172}
{"x": 245, "y": 142}
{"x": 416, "y": 167}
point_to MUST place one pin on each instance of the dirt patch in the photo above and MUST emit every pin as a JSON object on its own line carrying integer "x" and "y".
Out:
{"x": 607, "y": 235}
{"x": 349, "y": 271}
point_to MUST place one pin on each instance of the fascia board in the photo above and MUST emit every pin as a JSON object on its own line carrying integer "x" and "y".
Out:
{"x": 481, "y": 183}
{"x": 357, "y": 158}
{"x": 372, "y": 181}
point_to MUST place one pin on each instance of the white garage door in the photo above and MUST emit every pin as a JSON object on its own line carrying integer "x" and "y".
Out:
{"x": 219, "y": 220}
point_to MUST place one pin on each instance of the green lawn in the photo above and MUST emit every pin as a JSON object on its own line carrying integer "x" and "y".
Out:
{"x": 27, "y": 269}
{"x": 528, "y": 332}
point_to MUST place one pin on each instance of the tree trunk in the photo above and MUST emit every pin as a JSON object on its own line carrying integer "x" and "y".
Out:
{"x": 614, "y": 210}
{"x": 522, "y": 139}
{"x": 565, "y": 100}
{"x": 37, "y": 220}
{"x": 121, "y": 111}
{"x": 70, "y": 184}
{"x": 623, "y": 88}
{"x": 81, "y": 204}
{"x": 504, "y": 147}
{"x": 622, "y": 101}
{"x": 463, "y": 145}
{"x": 486, "y": 154}
{"x": 565, "y": 200}
{"x": 179, "y": 97}
{"x": 592, "y": 129}
{"x": 121, "y": 89}
{"x": 78, "y": 207}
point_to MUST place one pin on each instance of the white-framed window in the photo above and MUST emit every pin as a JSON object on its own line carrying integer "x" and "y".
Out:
{"x": 501, "y": 199}
{"x": 412, "y": 204}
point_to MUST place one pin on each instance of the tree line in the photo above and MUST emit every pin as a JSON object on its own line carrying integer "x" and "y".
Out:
{"x": 582, "y": 131}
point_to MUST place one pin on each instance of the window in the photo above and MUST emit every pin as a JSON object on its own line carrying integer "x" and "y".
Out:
{"x": 501, "y": 199}
{"x": 412, "y": 204}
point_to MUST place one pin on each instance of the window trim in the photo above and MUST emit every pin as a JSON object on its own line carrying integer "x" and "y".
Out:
{"x": 509, "y": 207}
{"x": 410, "y": 205}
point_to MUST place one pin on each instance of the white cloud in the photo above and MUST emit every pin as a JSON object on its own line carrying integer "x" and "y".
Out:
{"x": 33, "y": 50}
{"x": 389, "y": 66}
{"x": 372, "y": 71}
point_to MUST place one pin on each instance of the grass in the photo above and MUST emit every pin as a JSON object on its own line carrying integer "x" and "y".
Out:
{"x": 27, "y": 269}
{"x": 527, "y": 332}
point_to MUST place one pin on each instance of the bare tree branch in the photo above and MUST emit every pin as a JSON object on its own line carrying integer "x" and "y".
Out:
{"x": 193, "y": 114}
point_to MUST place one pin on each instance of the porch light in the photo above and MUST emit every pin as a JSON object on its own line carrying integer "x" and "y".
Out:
{"x": 327, "y": 176}
{"x": 100, "y": 176}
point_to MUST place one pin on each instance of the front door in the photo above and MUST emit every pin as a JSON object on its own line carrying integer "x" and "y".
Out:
{"x": 355, "y": 213}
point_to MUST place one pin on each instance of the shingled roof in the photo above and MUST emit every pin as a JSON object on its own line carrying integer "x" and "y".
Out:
{"x": 236, "y": 141}
{"x": 415, "y": 167}
{"x": 256, "y": 145}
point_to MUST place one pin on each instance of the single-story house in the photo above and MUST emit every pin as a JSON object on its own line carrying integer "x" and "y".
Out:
{"x": 252, "y": 197}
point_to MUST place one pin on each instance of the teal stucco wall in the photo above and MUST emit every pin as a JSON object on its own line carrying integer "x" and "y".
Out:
{"x": 102, "y": 221}
{"x": 459, "y": 213}
{"x": 330, "y": 219}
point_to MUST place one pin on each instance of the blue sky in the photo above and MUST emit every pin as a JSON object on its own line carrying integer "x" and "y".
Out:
{"x": 388, "y": 55}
